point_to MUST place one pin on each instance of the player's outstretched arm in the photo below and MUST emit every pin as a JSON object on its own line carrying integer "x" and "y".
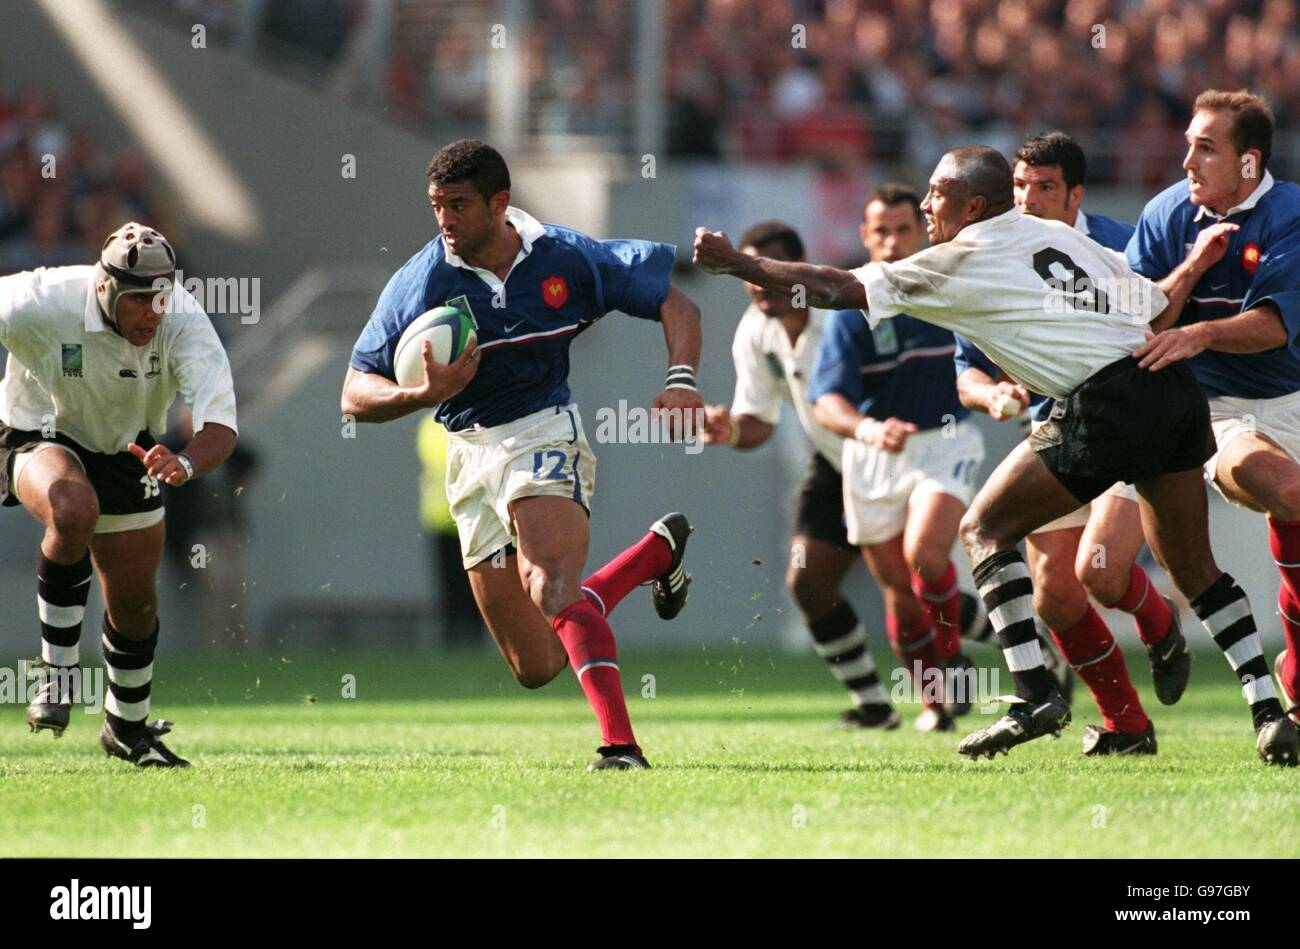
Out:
{"x": 684, "y": 338}
{"x": 1256, "y": 330}
{"x": 210, "y": 446}
{"x": 825, "y": 287}
{"x": 370, "y": 397}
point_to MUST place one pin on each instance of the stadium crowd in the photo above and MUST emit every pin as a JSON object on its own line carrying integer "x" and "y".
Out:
{"x": 61, "y": 190}
{"x": 894, "y": 81}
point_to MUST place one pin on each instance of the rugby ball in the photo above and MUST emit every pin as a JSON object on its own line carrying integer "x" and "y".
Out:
{"x": 447, "y": 329}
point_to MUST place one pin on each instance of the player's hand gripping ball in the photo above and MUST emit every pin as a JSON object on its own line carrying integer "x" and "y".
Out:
{"x": 448, "y": 332}
{"x": 437, "y": 355}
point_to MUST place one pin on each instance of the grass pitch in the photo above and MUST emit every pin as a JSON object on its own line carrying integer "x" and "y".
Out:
{"x": 446, "y": 756}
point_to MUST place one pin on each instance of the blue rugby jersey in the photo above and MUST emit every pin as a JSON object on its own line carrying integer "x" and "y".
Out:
{"x": 1262, "y": 263}
{"x": 561, "y": 282}
{"x": 901, "y": 369}
{"x": 1107, "y": 232}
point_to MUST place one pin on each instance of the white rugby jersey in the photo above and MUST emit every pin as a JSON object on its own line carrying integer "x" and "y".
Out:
{"x": 68, "y": 367}
{"x": 770, "y": 370}
{"x": 991, "y": 284}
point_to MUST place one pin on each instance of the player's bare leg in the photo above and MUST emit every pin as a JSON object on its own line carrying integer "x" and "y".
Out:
{"x": 1254, "y": 472}
{"x": 910, "y": 629}
{"x": 54, "y": 488}
{"x": 1107, "y": 567}
{"x": 1086, "y": 641}
{"x": 816, "y": 571}
{"x": 1175, "y": 518}
{"x": 553, "y": 537}
{"x": 127, "y": 564}
{"x": 1020, "y": 496}
{"x": 928, "y": 538}
{"x": 524, "y": 636}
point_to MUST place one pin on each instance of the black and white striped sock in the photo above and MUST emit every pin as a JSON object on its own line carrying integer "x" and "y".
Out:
{"x": 1008, "y": 592}
{"x": 1225, "y": 613}
{"x": 61, "y": 594}
{"x": 841, "y": 640}
{"x": 129, "y": 663}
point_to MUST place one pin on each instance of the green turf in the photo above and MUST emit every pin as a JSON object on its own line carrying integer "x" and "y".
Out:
{"x": 445, "y": 755}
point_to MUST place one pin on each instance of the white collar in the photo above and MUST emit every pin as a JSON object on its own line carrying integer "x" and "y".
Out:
{"x": 1252, "y": 199}
{"x": 1081, "y": 223}
{"x": 527, "y": 226}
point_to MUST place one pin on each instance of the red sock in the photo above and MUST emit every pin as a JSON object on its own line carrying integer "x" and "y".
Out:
{"x": 1091, "y": 651}
{"x": 916, "y": 642}
{"x": 1288, "y": 607}
{"x": 1148, "y": 608}
{"x": 942, "y": 600}
{"x": 1284, "y": 538}
{"x": 642, "y": 562}
{"x": 589, "y": 642}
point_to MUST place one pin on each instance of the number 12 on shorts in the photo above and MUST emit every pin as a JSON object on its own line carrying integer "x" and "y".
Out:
{"x": 553, "y": 459}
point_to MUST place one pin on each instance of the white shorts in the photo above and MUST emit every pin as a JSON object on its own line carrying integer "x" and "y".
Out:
{"x": 1276, "y": 419}
{"x": 1079, "y": 516}
{"x": 879, "y": 485}
{"x": 545, "y": 453}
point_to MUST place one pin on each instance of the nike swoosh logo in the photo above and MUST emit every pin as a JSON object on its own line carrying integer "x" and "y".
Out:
{"x": 511, "y": 327}
{"x": 1217, "y": 286}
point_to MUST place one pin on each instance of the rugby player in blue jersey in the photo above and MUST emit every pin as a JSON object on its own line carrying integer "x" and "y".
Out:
{"x": 910, "y": 461}
{"x": 520, "y": 472}
{"x": 1224, "y": 245}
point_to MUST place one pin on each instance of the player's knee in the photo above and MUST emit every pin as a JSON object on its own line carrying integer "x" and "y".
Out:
{"x": 1286, "y": 501}
{"x": 534, "y": 676}
{"x": 1059, "y": 598}
{"x": 74, "y": 511}
{"x": 1106, "y": 584}
{"x": 808, "y": 591}
{"x": 548, "y": 587}
{"x": 973, "y": 532}
{"x": 928, "y": 561}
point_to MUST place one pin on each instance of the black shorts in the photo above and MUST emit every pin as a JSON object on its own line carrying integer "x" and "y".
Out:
{"x": 819, "y": 508}
{"x": 120, "y": 481}
{"x": 1129, "y": 424}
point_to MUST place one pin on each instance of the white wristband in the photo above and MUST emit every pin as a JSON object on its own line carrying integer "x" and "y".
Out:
{"x": 188, "y": 465}
{"x": 867, "y": 430}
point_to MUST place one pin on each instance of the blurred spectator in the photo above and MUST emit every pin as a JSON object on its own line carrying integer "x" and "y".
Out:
{"x": 861, "y": 80}
{"x": 60, "y": 194}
